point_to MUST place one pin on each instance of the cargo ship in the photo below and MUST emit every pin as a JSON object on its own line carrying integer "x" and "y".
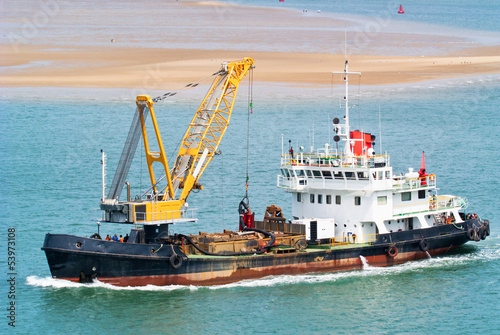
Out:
{"x": 348, "y": 209}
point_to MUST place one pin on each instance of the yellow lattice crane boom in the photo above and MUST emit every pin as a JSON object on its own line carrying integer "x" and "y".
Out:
{"x": 199, "y": 145}
{"x": 207, "y": 128}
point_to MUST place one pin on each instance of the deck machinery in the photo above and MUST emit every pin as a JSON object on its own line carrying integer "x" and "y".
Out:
{"x": 158, "y": 208}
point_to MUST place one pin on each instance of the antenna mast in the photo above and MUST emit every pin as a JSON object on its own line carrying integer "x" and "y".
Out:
{"x": 346, "y": 74}
{"x": 380, "y": 128}
{"x": 345, "y": 44}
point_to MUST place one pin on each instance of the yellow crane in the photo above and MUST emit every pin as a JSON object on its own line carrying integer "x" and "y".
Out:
{"x": 198, "y": 146}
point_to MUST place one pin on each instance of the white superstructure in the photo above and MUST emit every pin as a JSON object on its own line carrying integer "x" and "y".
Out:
{"x": 354, "y": 195}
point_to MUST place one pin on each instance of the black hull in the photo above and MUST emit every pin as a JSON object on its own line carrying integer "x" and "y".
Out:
{"x": 132, "y": 264}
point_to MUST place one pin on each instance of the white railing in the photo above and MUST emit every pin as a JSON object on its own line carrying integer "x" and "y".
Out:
{"x": 449, "y": 201}
{"x": 291, "y": 182}
{"x": 334, "y": 160}
{"x": 404, "y": 183}
{"x": 434, "y": 204}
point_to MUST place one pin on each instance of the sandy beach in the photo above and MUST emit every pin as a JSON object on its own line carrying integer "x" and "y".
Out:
{"x": 181, "y": 42}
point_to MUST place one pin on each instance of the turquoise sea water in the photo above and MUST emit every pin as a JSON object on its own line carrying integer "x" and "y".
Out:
{"x": 476, "y": 15}
{"x": 50, "y": 179}
{"x": 50, "y": 158}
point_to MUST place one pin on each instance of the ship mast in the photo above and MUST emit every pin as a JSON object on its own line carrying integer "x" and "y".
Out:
{"x": 347, "y": 135}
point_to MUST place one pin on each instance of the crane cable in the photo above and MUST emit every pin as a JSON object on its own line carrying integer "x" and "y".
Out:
{"x": 163, "y": 97}
{"x": 250, "y": 111}
{"x": 186, "y": 87}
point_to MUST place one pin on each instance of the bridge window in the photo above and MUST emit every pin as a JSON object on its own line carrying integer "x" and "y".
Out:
{"x": 406, "y": 196}
{"x": 300, "y": 173}
{"x": 363, "y": 175}
{"x": 350, "y": 175}
{"x": 309, "y": 173}
{"x": 338, "y": 175}
{"x": 338, "y": 200}
{"x": 317, "y": 174}
{"x": 327, "y": 174}
{"x": 328, "y": 199}
{"x": 299, "y": 197}
{"x": 382, "y": 200}
{"x": 320, "y": 198}
{"x": 421, "y": 194}
{"x": 357, "y": 201}
{"x": 287, "y": 173}
{"x": 311, "y": 198}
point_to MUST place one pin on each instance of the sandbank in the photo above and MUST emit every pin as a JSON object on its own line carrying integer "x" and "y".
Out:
{"x": 183, "y": 42}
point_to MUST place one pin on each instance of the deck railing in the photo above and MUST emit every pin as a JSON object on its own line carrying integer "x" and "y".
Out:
{"x": 334, "y": 160}
{"x": 177, "y": 216}
{"x": 404, "y": 183}
{"x": 439, "y": 203}
{"x": 352, "y": 239}
{"x": 292, "y": 182}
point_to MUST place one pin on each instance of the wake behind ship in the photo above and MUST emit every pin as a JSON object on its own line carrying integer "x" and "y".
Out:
{"x": 348, "y": 207}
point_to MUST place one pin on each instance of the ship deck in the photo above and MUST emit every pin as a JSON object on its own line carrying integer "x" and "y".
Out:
{"x": 288, "y": 250}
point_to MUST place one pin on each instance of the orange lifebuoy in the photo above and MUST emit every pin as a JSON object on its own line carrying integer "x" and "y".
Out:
{"x": 432, "y": 177}
{"x": 392, "y": 251}
{"x": 432, "y": 203}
